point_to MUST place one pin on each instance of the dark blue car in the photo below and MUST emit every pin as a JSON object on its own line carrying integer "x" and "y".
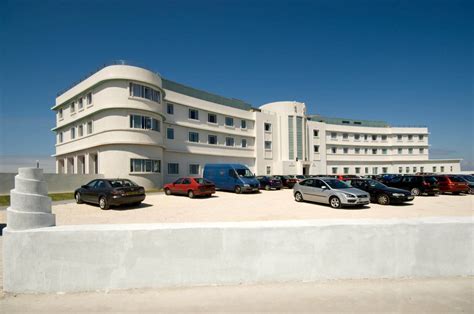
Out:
{"x": 268, "y": 183}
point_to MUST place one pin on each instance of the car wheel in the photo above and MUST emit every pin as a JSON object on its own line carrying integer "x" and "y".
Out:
{"x": 238, "y": 189}
{"x": 190, "y": 194}
{"x": 167, "y": 191}
{"x": 298, "y": 197}
{"x": 383, "y": 199}
{"x": 267, "y": 187}
{"x": 78, "y": 198}
{"x": 335, "y": 202}
{"x": 103, "y": 204}
{"x": 415, "y": 191}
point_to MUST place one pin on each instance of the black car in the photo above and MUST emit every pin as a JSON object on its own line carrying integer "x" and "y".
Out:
{"x": 417, "y": 185}
{"x": 380, "y": 193}
{"x": 287, "y": 181}
{"x": 267, "y": 182}
{"x": 107, "y": 192}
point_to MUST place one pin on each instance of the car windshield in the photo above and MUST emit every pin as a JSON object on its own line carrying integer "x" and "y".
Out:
{"x": 376, "y": 184}
{"x": 336, "y": 184}
{"x": 244, "y": 173}
{"x": 121, "y": 183}
{"x": 431, "y": 179}
{"x": 469, "y": 178}
{"x": 202, "y": 181}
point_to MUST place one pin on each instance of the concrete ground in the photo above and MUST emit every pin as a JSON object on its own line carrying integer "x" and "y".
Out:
{"x": 449, "y": 295}
{"x": 267, "y": 205}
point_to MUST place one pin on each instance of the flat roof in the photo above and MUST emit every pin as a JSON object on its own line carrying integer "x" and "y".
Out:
{"x": 345, "y": 121}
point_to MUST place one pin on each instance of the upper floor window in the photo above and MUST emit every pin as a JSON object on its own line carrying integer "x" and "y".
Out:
{"x": 193, "y": 114}
{"x": 212, "y": 118}
{"x": 267, "y": 127}
{"x": 333, "y": 135}
{"x": 89, "y": 127}
{"x": 60, "y": 137}
{"x": 243, "y": 124}
{"x": 170, "y": 133}
{"x": 399, "y": 137}
{"x": 410, "y": 150}
{"x": 60, "y": 113}
{"x": 268, "y": 145}
{"x": 73, "y": 107}
{"x": 194, "y": 137}
{"x": 89, "y": 98}
{"x": 366, "y": 137}
{"x": 384, "y": 151}
{"x": 142, "y": 122}
{"x": 212, "y": 139}
{"x": 374, "y": 137}
{"x": 316, "y": 148}
{"x": 356, "y": 137}
{"x": 244, "y": 142}
{"x": 229, "y": 141}
{"x": 315, "y": 133}
{"x": 80, "y": 130}
{"x": 345, "y": 150}
{"x": 169, "y": 108}
{"x": 229, "y": 121}
{"x": 374, "y": 151}
{"x": 80, "y": 104}
{"x": 345, "y": 136}
{"x": 422, "y": 150}
{"x": 334, "y": 150}
{"x": 73, "y": 133}
{"x": 410, "y": 137}
{"x": 142, "y": 91}
{"x": 384, "y": 137}
{"x": 421, "y": 137}
{"x": 400, "y": 151}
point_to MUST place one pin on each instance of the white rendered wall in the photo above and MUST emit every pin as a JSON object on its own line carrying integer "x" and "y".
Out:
{"x": 103, "y": 257}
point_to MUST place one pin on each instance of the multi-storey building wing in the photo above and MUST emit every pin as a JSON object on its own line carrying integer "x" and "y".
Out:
{"x": 126, "y": 121}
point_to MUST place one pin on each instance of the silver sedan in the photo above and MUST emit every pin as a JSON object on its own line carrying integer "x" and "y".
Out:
{"x": 329, "y": 191}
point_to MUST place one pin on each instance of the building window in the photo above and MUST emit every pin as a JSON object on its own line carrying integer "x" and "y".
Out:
{"x": 193, "y": 114}
{"x": 243, "y": 143}
{"x": 400, "y": 151}
{"x": 193, "y": 137}
{"x": 291, "y": 138}
{"x": 420, "y": 137}
{"x": 410, "y": 137}
{"x": 384, "y": 137}
{"x": 147, "y": 123}
{"x": 434, "y": 168}
{"x": 374, "y": 151}
{"x": 229, "y": 121}
{"x": 366, "y": 170}
{"x": 422, "y": 169}
{"x": 345, "y": 150}
{"x": 399, "y": 137}
{"x": 375, "y": 170}
{"x": 267, "y": 127}
{"x": 366, "y": 151}
{"x": 414, "y": 169}
{"x": 72, "y": 107}
{"x": 73, "y": 133}
{"x": 315, "y": 133}
{"x": 211, "y": 118}
{"x": 345, "y": 136}
{"x": 169, "y": 108}
{"x": 212, "y": 139}
{"x": 407, "y": 169}
{"x": 60, "y": 113}
{"x": 374, "y": 137}
{"x": 268, "y": 145}
{"x": 79, "y": 103}
{"x": 173, "y": 168}
{"x": 170, "y": 133}
{"x": 194, "y": 169}
{"x": 442, "y": 169}
{"x": 357, "y": 137}
{"x": 80, "y": 130}
{"x": 89, "y": 127}
{"x": 357, "y": 150}
{"x": 334, "y": 150}
{"x": 384, "y": 151}
{"x": 410, "y": 150}
{"x": 60, "y": 137}
{"x": 346, "y": 170}
{"x": 334, "y": 170}
{"x": 357, "y": 169}
{"x": 451, "y": 168}
{"x": 243, "y": 124}
{"x": 89, "y": 98}
{"x": 269, "y": 170}
{"x": 316, "y": 148}
{"x": 145, "y": 165}
{"x": 422, "y": 150}
{"x": 229, "y": 141}
{"x": 137, "y": 90}
{"x": 384, "y": 169}
{"x": 400, "y": 169}
{"x": 333, "y": 135}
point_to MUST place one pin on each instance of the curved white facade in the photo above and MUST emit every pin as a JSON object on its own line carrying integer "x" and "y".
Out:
{"x": 125, "y": 121}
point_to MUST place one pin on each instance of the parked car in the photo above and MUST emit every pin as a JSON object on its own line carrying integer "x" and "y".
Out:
{"x": 287, "y": 181}
{"x": 231, "y": 177}
{"x": 268, "y": 183}
{"x": 470, "y": 181}
{"x": 300, "y": 177}
{"x": 452, "y": 184}
{"x": 330, "y": 191}
{"x": 384, "y": 178}
{"x": 191, "y": 187}
{"x": 417, "y": 185}
{"x": 380, "y": 193}
{"x": 109, "y": 192}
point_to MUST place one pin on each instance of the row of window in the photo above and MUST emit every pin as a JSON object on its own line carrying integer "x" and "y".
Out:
{"x": 154, "y": 166}
{"x": 366, "y": 137}
{"x": 143, "y": 122}
{"x": 142, "y": 91}
{"x": 373, "y": 151}
{"x": 345, "y": 170}
{"x": 80, "y": 105}
{"x": 79, "y": 133}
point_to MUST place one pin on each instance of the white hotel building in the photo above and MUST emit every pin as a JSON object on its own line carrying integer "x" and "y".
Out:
{"x": 126, "y": 121}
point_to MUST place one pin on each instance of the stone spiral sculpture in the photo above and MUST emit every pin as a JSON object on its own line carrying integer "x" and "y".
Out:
{"x": 30, "y": 206}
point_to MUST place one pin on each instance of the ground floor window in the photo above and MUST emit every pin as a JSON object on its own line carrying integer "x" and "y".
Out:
{"x": 346, "y": 170}
{"x": 269, "y": 169}
{"x": 400, "y": 169}
{"x": 384, "y": 169}
{"x": 334, "y": 170}
{"x": 194, "y": 169}
{"x": 442, "y": 168}
{"x": 173, "y": 168}
{"x": 357, "y": 169}
{"x": 145, "y": 165}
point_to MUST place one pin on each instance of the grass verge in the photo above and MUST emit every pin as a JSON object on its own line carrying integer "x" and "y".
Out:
{"x": 5, "y": 199}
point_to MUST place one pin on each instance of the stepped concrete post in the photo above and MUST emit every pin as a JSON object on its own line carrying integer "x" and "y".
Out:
{"x": 30, "y": 206}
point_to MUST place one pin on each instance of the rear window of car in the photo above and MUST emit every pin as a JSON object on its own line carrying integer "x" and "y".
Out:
{"x": 456, "y": 179}
{"x": 431, "y": 179}
{"x": 121, "y": 183}
{"x": 202, "y": 181}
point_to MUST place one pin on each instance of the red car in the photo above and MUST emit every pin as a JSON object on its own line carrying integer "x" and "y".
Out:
{"x": 191, "y": 187}
{"x": 452, "y": 184}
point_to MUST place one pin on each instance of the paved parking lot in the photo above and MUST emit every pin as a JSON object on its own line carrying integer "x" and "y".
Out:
{"x": 267, "y": 205}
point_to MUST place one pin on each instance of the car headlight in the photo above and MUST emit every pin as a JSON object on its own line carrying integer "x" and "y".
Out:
{"x": 246, "y": 185}
{"x": 349, "y": 195}
{"x": 398, "y": 194}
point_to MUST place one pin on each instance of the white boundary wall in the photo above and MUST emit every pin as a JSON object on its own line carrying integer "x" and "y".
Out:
{"x": 101, "y": 257}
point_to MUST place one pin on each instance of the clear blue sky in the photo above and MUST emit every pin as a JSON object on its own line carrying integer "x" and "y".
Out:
{"x": 405, "y": 62}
